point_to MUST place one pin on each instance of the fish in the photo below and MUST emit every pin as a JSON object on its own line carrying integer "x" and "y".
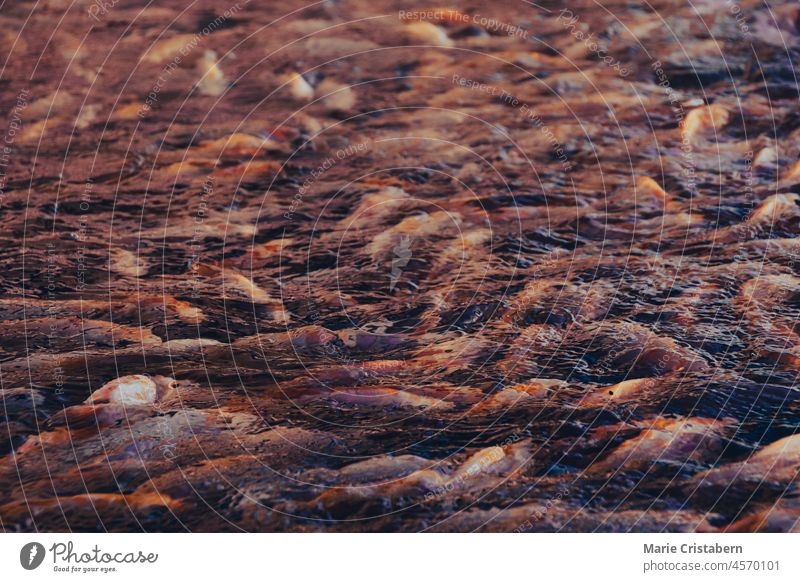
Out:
{"x": 441, "y": 269}
{"x": 777, "y": 462}
{"x": 664, "y": 440}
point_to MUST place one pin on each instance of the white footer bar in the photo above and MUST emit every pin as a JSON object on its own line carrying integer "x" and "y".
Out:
{"x": 379, "y": 557}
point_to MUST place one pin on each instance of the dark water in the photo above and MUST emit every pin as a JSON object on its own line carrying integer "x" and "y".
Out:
{"x": 400, "y": 292}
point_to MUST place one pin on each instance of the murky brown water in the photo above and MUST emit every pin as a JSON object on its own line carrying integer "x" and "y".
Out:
{"x": 506, "y": 267}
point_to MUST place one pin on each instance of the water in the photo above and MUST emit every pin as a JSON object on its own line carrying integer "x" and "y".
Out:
{"x": 405, "y": 304}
